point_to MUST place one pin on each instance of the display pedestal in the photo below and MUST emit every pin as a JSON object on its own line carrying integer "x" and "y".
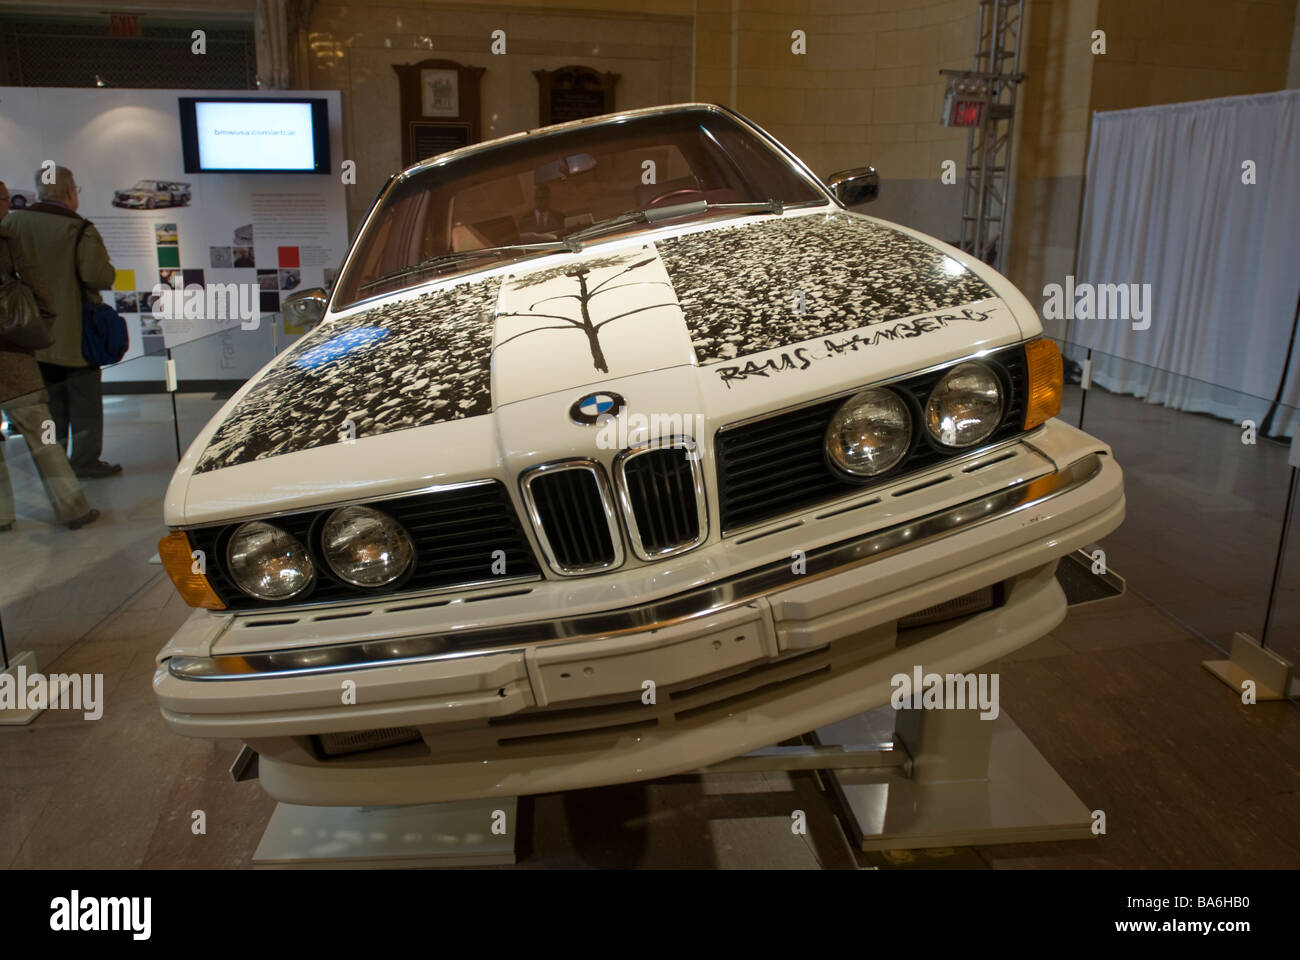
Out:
{"x": 457, "y": 834}
{"x": 971, "y": 782}
{"x": 19, "y": 717}
{"x": 1248, "y": 660}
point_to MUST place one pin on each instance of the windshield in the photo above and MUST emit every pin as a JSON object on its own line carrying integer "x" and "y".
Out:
{"x": 542, "y": 189}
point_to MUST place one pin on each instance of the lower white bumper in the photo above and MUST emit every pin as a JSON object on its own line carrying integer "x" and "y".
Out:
{"x": 811, "y": 693}
{"x": 736, "y": 676}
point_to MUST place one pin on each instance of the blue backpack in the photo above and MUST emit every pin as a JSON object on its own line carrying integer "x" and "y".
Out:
{"x": 104, "y": 337}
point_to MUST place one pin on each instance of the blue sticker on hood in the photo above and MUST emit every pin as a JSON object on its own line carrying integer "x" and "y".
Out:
{"x": 403, "y": 365}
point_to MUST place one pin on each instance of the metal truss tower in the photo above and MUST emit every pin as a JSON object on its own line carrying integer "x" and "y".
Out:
{"x": 992, "y": 82}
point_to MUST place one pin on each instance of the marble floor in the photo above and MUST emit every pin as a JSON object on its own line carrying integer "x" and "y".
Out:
{"x": 1116, "y": 698}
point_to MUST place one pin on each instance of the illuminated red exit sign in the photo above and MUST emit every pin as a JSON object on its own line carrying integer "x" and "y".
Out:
{"x": 124, "y": 25}
{"x": 966, "y": 113}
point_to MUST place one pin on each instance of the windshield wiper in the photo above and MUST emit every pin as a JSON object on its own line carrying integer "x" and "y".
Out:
{"x": 671, "y": 212}
{"x": 444, "y": 259}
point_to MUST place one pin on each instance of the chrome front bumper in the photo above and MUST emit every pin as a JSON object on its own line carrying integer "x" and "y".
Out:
{"x": 739, "y": 661}
{"x": 466, "y": 691}
{"x": 707, "y": 601}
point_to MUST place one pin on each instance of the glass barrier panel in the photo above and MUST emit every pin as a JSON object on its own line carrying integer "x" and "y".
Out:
{"x": 1205, "y": 493}
{"x": 57, "y": 583}
{"x": 1283, "y": 633}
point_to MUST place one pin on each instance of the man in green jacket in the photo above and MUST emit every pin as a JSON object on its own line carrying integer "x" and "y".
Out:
{"x": 47, "y": 231}
{"x": 23, "y": 400}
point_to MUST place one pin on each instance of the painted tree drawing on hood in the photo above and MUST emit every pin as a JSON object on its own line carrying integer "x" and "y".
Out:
{"x": 588, "y": 320}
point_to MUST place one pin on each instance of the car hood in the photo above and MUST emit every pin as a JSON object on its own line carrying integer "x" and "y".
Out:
{"x": 754, "y": 301}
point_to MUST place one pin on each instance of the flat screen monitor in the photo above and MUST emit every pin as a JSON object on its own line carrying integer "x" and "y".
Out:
{"x": 255, "y": 135}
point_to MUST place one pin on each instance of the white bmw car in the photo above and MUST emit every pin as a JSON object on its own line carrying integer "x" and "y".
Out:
{"x": 620, "y": 447}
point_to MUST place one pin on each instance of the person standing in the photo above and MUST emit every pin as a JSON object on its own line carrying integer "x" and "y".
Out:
{"x": 23, "y": 399}
{"x": 51, "y": 236}
{"x": 542, "y": 219}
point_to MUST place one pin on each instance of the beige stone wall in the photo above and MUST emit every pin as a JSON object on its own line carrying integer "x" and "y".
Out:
{"x": 1052, "y": 118}
{"x": 1293, "y": 71}
{"x": 1163, "y": 52}
{"x": 352, "y": 48}
{"x": 867, "y": 90}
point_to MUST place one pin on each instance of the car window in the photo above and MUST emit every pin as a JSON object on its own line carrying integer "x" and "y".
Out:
{"x": 543, "y": 188}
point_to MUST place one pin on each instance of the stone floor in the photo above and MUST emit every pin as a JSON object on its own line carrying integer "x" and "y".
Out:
{"x": 1116, "y": 698}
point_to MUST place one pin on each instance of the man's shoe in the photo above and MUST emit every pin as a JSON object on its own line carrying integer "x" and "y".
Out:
{"x": 98, "y": 469}
{"x": 81, "y": 521}
{"x": 6, "y": 527}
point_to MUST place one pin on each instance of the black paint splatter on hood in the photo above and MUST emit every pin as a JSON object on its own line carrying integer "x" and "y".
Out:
{"x": 738, "y": 285}
{"x": 403, "y": 365}
{"x": 428, "y": 359}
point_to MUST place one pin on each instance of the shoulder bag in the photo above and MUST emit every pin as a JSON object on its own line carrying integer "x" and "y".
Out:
{"x": 104, "y": 336}
{"x": 21, "y": 322}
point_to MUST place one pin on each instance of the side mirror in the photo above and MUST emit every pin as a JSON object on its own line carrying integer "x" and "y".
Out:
{"x": 306, "y": 308}
{"x": 859, "y": 185}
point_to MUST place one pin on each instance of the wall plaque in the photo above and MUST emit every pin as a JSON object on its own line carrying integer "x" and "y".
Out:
{"x": 574, "y": 93}
{"x": 440, "y": 107}
{"x": 431, "y": 139}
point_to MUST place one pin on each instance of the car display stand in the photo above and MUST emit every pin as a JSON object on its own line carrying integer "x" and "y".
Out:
{"x": 967, "y": 781}
{"x": 456, "y": 834}
{"x": 20, "y": 716}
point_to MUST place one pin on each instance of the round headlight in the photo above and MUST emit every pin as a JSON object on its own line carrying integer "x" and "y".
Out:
{"x": 870, "y": 433}
{"x": 365, "y": 547}
{"x": 965, "y": 407}
{"x": 268, "y": 563}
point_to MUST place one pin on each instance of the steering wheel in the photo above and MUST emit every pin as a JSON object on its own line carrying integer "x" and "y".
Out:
{"x": 664, "y": 197}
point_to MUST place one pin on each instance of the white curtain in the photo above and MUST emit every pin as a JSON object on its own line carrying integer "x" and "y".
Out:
{"x": 1165, "y": 204}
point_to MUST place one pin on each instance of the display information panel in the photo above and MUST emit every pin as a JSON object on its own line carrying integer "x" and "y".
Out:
{"x": 196, "y": 253}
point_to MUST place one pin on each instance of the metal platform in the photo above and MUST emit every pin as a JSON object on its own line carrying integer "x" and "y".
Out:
{"x": 455, "y": 834}
{"x": 971, "y": 782}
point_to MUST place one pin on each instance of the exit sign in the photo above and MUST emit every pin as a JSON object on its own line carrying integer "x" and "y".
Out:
{"x": 124, "y": 25}
{"x": 966, "y": 113}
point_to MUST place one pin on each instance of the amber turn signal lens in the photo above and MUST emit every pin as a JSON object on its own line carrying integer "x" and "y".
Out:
{"x": 1046, "y": 380}
{"x": 180, "y": 563}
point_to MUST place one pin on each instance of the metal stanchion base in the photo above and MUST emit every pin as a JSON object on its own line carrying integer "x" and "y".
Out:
{"x": 457, "y": 834}
{"x": 1248, "y": 660}
{"x": 973, "y": 782}
{"x": 20, "y": 716}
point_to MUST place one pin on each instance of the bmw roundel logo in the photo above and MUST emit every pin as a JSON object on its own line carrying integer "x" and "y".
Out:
{"x": 589, "y": 410}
